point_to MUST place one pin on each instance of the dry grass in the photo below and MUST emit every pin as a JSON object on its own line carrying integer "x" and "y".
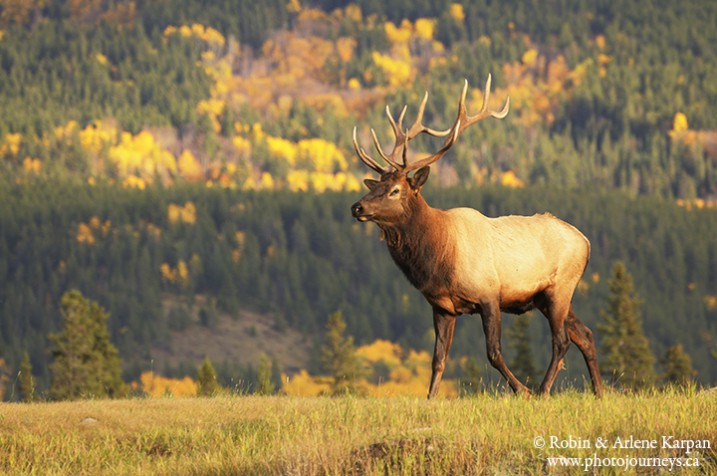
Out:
{"x": 290, "y": 435}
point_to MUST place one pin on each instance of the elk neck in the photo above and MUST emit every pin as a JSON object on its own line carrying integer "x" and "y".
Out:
{"x": 419, "y": 243}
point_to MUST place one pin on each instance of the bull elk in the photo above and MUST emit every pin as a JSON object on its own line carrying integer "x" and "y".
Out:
{"x": 466, "y": 263}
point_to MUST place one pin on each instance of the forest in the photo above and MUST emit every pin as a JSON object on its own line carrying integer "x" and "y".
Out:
{"x": 155, "y": 152}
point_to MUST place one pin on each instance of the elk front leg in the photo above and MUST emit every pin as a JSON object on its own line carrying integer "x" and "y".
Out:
{"x": 491, "y": 327}
{"x": 444, "y": 324}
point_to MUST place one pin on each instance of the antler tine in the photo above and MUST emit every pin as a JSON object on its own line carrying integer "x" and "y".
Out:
{"x": 484, "y": 111}
{"x": 380, "y": 151}
{"x": 418, "y": 127}
{"x": 462, "y": 122}
{"x": 365, "y": 158}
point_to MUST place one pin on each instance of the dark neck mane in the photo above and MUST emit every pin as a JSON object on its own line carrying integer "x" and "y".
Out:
{"x": 418, "y": 244}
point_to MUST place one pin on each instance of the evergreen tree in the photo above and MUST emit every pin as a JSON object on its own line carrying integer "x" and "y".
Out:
{"x": 264, "y": 384}
{"x": 522, "y": 363}
{"x": 86, "y": 363}
{"x": 627, "y": 360}
{"x": 26, "y": 380}
{"x": 207, "y": 384}
{"x": 338, "y": 356}
{"x": 677, "y": 367}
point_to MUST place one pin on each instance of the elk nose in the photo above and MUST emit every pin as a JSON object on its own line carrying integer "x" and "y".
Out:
{"x": 356, "y": 209}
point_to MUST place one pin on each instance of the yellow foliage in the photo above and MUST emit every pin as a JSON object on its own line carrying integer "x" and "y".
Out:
{"x": 321, "y": 155}
{"x": 142, "y": 156}
{"x": 298, "y": 180}
{"x": 398, "y": 35}
{"x": 132, "y": 181}
{"x": 267, "y": 181}
{"x": 186, "y": 214}
{"x": 353, "y": 12}
{"x": 294, "y": 6}
{"x": 182, "y": 273}
{"x": 84, "y": 234}
{"x": 167, "y": 272}
{"x": 397, "y": 71}
{"x": 66, "y": 132}
{"x": 425, "y": 28}
{"x": 711, "y": 302}
{"x": 31, "y": 165}
{"x": 529, "y": 56}
{"x": 456, "y": 12}
{"x": 101, "y": 59}
{"x": 189, "y": 167}
{"x": 679, "y": 123}
{"x": 207, "y": 34}
{"x": 354, "y": 84}
{"x": 242, "y": 145}
{"x": 94, "y": 137}
{"x": 346, "y": 47}
{"x": 600, "y": 41}
{"x": 381, "y": 351}
{"x": 509, "y": 179}
{"x": 304, "y": 385}
{"x": 157, "y": 386}
{"x": 11, "y": 144}
{"x": 282, "y": 148}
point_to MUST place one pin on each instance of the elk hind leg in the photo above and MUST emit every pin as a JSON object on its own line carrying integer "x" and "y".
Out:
{"x": 582, "y": 336}
{"x": 556, "y": 312}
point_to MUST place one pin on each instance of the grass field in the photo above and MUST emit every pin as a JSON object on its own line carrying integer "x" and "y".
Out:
{"x": 487, "y": 434}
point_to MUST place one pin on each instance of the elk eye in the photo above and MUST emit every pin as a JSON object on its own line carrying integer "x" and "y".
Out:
{"x": 394, "y": 192}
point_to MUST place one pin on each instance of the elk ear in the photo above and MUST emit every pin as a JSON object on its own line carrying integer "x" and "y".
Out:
{"x": 420, "y": 177}
{"x": 370, "y": 184}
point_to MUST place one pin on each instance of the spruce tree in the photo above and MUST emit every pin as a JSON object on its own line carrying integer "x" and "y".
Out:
{"x": 86, "y": 364}
{"x": 26, "y": 380}
{"x": 207, "y": 384}
{"x": 677, "y": 367}
{"x": 264, "y": 384}
{"x": 338, "y": 356}
{"x": 626, "y": 357}
{"x": 522, "y": 363}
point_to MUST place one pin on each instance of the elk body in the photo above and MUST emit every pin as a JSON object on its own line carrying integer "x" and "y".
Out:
{"x": 466, "y": 263}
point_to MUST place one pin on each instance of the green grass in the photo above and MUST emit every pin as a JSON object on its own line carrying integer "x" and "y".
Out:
{"x": 487, "y": 434}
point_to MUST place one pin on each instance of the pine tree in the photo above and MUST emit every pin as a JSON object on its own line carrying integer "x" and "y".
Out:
{"x": 338, "y": 356}
{"x": 264, "y": 384}
{"x": 26, "y": 380}
{"x": 522, "y": 363}
{"x": 627, "y": 359}
{"x": 207, "y": 384}
{"x": 86, "y": 363}
{"x": 677, "y": 367}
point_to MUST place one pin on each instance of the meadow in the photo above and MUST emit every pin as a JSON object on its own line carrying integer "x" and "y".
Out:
{"x": 569, "y": 433}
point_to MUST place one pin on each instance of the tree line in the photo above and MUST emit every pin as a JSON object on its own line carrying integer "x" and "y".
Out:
{"x": 597, "y": 90}
{"x": 87, "y": 365}
{"x": 146, "y": 255}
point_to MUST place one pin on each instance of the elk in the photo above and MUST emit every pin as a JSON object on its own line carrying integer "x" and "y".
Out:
{"x": 466, "y": 263}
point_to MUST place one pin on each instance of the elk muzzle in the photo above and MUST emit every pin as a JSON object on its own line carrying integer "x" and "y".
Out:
{"x": 359, "y": 213}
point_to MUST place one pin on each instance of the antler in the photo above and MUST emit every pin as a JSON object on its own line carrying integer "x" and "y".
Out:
{"x": 463, "y": 121}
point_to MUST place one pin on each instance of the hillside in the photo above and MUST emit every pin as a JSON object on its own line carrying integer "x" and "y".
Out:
{"x": 230, "y": 341}
{"x": 609, "y": 94}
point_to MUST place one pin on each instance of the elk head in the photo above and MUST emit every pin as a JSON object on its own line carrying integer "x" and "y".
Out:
{"x": 391, "y": 198}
